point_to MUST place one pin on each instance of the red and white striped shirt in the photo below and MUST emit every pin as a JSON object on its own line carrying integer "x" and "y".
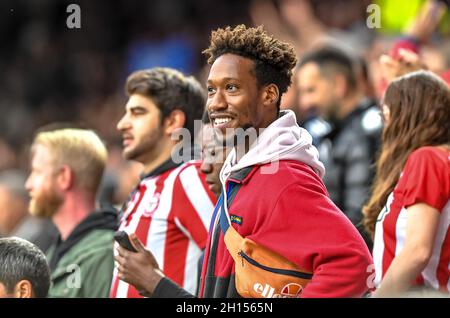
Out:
{"x": 170, "y": 213}
{"x": 425, "y": 178}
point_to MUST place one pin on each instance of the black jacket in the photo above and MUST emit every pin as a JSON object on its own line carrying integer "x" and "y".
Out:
{"x": 348, "y": 150}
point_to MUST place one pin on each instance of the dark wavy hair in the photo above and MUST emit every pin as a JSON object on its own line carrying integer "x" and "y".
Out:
{"x": 274, "y": 59}
{"x": 170, "y": 89}
{"x": 419, "y": 106}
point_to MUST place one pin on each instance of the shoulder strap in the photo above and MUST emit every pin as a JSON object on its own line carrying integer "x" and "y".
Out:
{"x": 231, "y": 237}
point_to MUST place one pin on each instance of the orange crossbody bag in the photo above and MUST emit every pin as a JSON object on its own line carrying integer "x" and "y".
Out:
{"x": 259, "y": 271}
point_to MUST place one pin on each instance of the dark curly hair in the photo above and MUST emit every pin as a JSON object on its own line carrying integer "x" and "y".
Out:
{"x": 274, "y": 59}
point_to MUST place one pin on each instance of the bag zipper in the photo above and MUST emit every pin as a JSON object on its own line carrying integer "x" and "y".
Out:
{"x": 274, "y": 270}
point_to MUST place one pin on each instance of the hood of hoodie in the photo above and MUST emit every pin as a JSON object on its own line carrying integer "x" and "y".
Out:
{"x": 104, "y": 219}
{"x": 281, "y": 140}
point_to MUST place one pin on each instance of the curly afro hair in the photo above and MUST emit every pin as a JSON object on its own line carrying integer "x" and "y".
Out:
{"x": 274, "y": 59}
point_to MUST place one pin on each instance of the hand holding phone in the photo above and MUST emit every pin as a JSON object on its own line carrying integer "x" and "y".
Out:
{"x": 138, "y": 268}
{"x": 123, "y": 239}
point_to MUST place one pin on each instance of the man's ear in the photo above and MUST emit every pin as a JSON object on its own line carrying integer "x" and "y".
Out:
{"x": 174, "y": 121}
{"x": 271, "y": 95}
{"x": 65, "y": 177}
{"x": 23, "y": 289}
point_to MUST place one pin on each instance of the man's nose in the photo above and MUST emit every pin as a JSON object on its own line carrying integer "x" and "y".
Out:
{"x": 123, "y": 123}
{"x": 217, "y": 102}
{"x": 306, "y": 103}
{"x": 206, "y": 167}
{"x": 28, "y": 184}
{"x": 304, "y": 99}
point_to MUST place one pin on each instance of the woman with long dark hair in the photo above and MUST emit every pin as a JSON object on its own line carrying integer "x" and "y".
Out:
{"x": 409, "y": 210}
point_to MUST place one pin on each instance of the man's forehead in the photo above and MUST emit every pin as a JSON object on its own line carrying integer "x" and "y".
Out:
{"x": 308, "y": 70}
{"x": 230, "y": 66}
{"x": 310, "y": 74}
{"x": 41, "y": 154}
{"x": 39, "y": 150}
{"x": 138, "y": 100}
{"x": 209, "y": 134}
{"x": 210, "y": 137}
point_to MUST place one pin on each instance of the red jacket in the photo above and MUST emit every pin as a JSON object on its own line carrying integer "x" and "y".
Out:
{"x": 290, "y": 212}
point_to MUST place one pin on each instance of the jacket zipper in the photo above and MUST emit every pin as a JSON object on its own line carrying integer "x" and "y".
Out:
{"x": 274, "y": 270}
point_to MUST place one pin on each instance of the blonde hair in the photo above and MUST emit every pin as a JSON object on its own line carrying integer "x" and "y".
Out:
{"x": 82, "y": 150}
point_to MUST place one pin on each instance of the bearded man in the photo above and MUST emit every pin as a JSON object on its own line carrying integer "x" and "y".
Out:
{"x": 66, "y": 169}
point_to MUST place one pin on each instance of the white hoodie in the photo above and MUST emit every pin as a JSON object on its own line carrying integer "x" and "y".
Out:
{"x": 281, "y": 140}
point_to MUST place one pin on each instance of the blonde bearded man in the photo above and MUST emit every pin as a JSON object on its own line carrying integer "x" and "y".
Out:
{"x": 66, "y": 168}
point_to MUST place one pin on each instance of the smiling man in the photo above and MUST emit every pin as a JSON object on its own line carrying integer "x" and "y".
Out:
{"x": 171, "y": 207}
{"x": 285, "y": 210}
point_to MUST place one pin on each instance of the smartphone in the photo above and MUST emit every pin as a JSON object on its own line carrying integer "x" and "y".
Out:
{"x": 123, "y": 239}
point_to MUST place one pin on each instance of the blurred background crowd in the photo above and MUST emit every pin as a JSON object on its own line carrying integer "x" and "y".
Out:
{"x": 50, "y": 73}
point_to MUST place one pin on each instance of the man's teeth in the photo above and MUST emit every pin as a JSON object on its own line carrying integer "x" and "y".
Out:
{"x": 220, "y": 121}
